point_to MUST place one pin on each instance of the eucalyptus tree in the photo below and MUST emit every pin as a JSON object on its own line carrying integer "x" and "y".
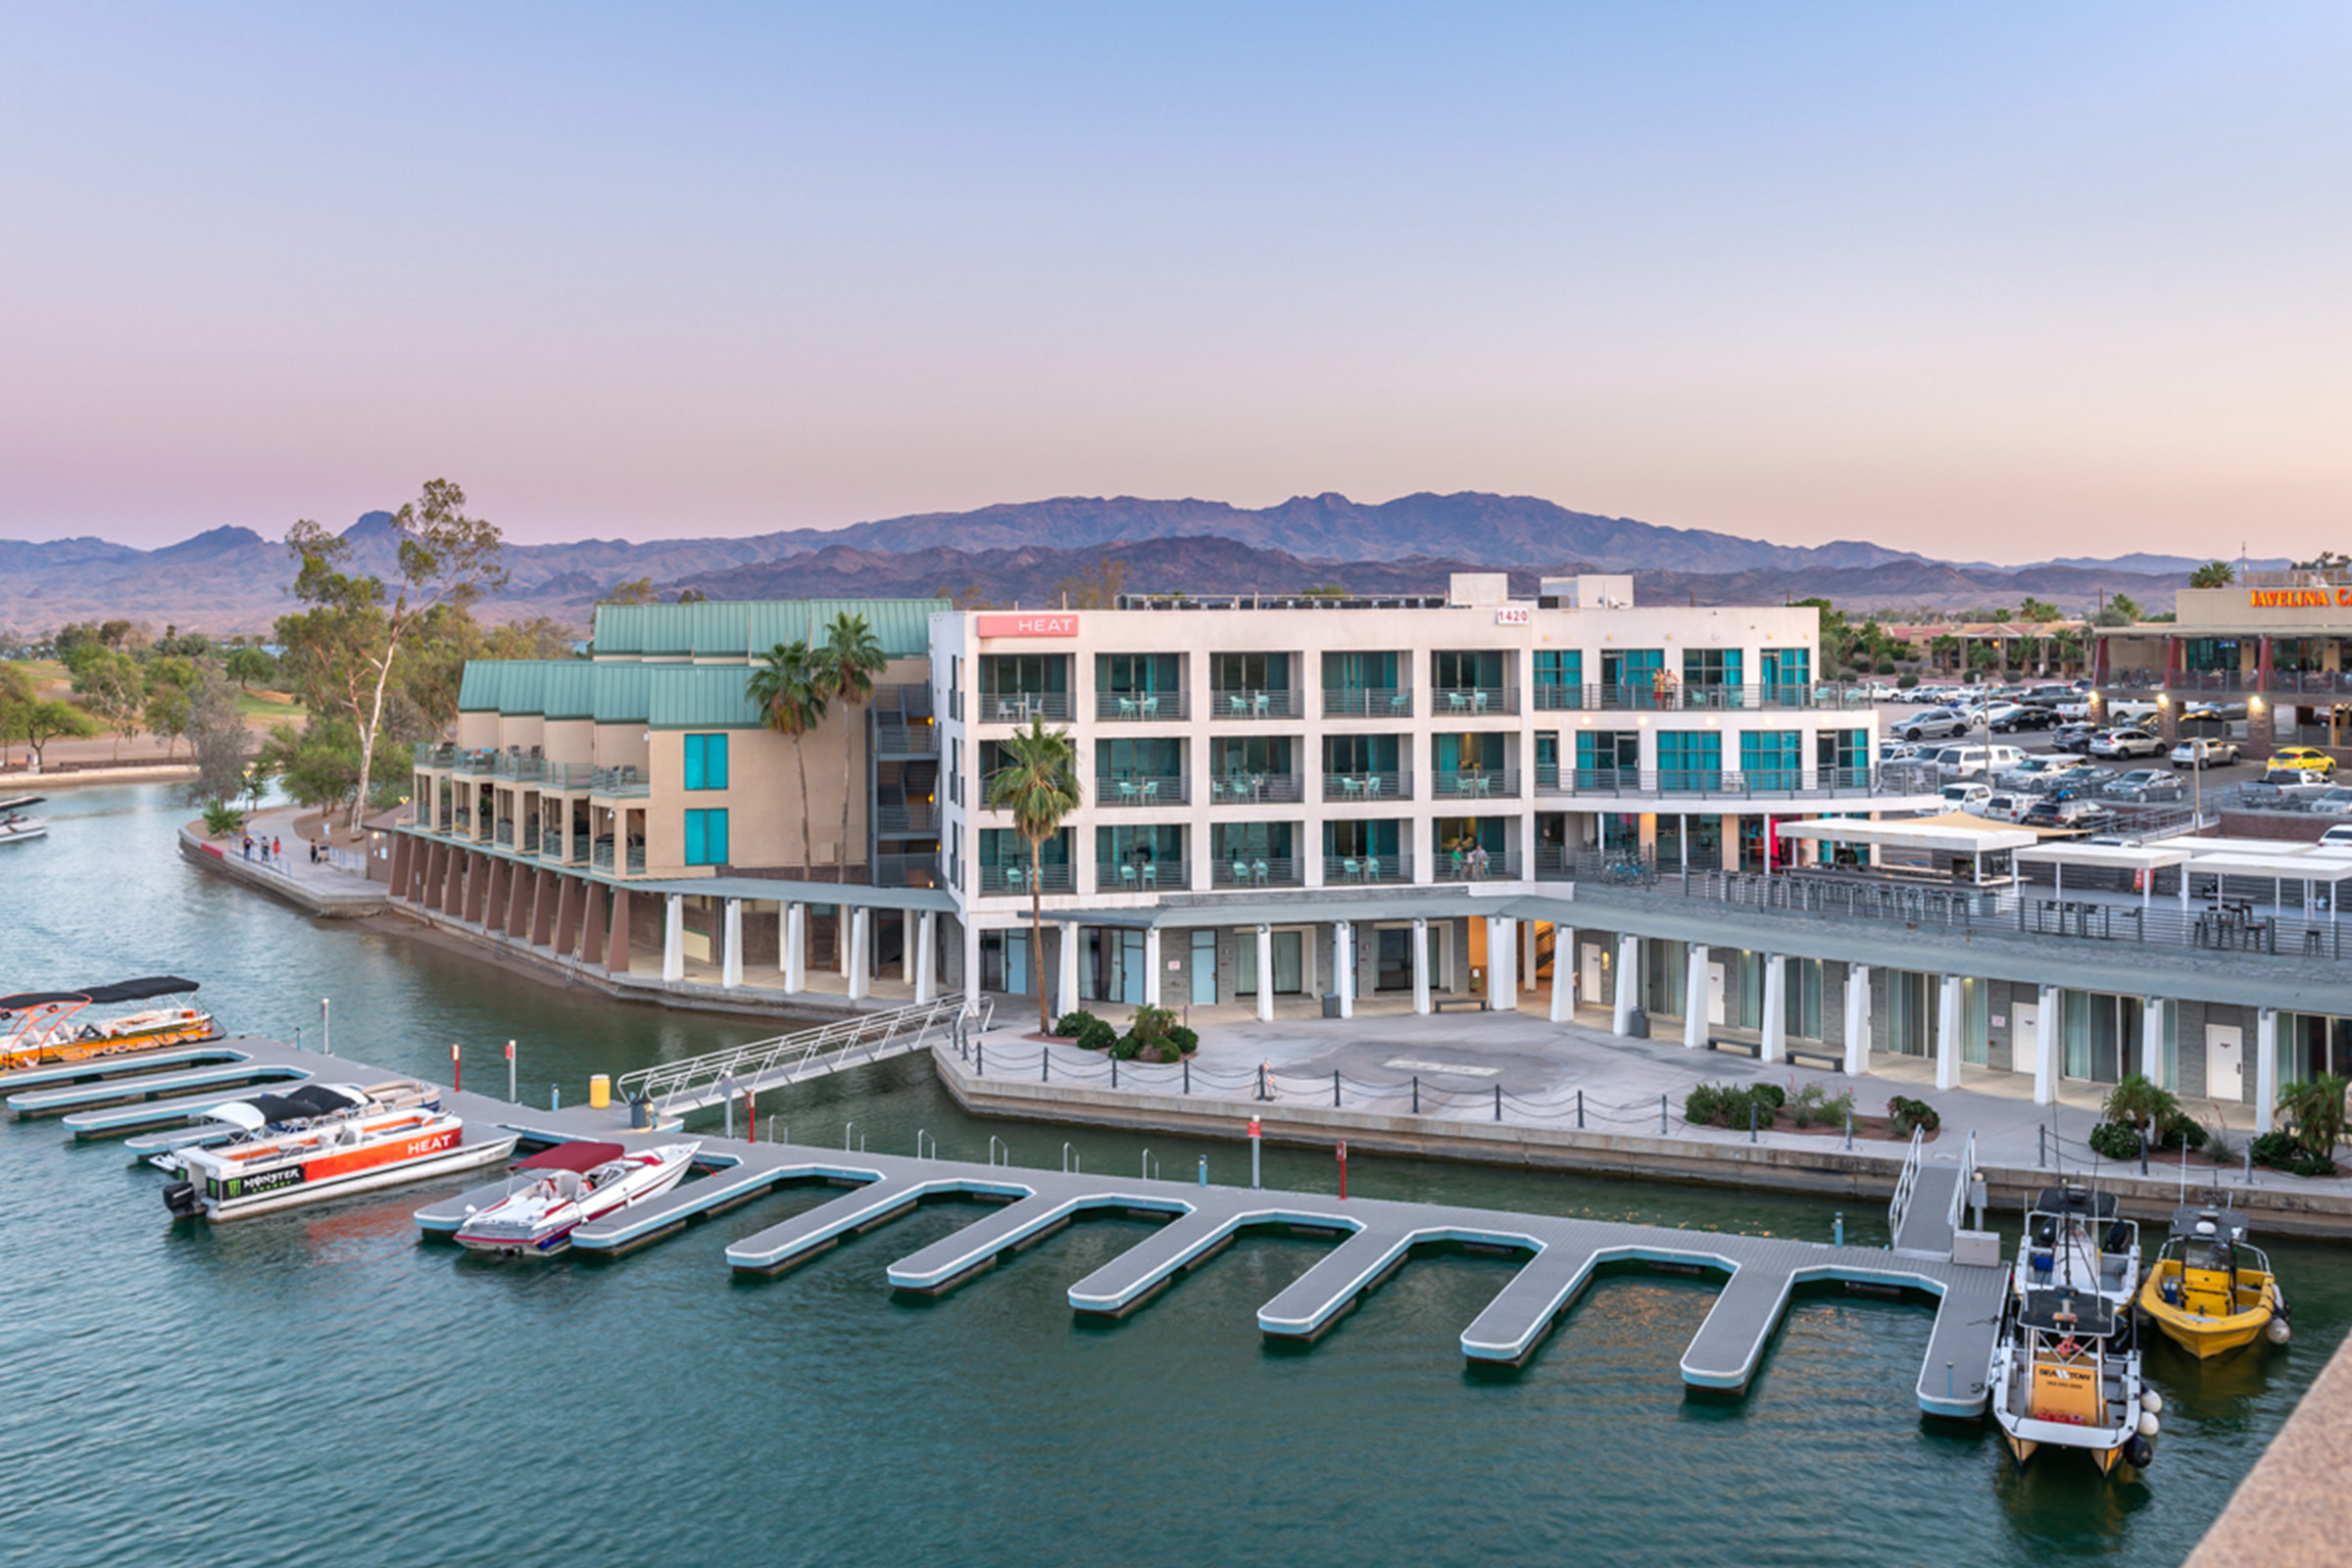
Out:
{"x": 789, "y": 688}
{"x": 1039, "y": 785}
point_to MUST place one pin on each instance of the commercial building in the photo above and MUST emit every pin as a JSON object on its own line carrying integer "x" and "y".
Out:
{"x": 2279, "y": 643}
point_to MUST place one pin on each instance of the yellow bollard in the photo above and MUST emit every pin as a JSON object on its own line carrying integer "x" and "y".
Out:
{"x": 600, "y": 1091}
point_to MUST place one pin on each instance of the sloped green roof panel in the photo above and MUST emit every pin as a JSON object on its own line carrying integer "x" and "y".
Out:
{"x": 739, "y": 629}
{"x": 902, "y": 626}
{"x": 569, "y": 690}
{"x": 623, "y": 693}
{"x": 701, "y": 697}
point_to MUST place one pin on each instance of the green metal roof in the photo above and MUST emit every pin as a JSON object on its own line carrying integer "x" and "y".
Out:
{"x": 742, "y": 629}
{"x": 623, "y": 693}
{"x": 701, "y": 697}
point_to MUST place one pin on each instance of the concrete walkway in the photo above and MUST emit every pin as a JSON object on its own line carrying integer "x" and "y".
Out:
{"x": 335, "y": 887}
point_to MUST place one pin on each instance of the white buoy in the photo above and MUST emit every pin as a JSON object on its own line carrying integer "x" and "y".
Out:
{"x": 2152, "y": 1403}
{"x": 2148, "y": 1428}
{"x": 2279, "y": 1331}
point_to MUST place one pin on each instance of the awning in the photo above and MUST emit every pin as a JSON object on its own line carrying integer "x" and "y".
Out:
{"x": 581, "y": 1156}
{"x": 2112, "y": 857}
{"x": 2201, "y": 848}
{"x": 155, "y": 985}
{"x": 1940, "y": 834}
{"x": 2324, "y": 869}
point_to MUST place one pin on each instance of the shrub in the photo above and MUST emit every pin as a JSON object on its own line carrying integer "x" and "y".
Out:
{"x": 2314, "y": 1165}
{"x": 1806, "y": 1109}
{"x": 1126, "y": 1047}
{"x": 1702, "y": 1105}
{"x": 1089, "y": 1032}
{"x": 1837, "y": 1107}
{"x": 1906, "y": 683}
{"x": 2275, "y": 1151}
{"x": 220, "y": 819}
{"x": 1752, "y": 1106}
{"x": 1885, "y": 666}
{"x": 2137, "y": 1103}
{"x": 2182, "y": 1129}
{"x": 1909, "y": 1116}
{"x": 2315, "y": 1114}
{"x": 1186, "y": 1040}
{"x": 2115, "y": 1140}
{"x": 1771, "y": 1092}
{"x": 2218, "y": 1147}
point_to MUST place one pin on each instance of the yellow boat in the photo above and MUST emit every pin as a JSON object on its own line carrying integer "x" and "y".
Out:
{"x": 2209, "y": 1290}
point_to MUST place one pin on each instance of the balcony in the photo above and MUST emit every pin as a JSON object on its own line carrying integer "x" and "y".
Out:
{"x": 1142, "y": 706}
{"x": 1555, "y": 698}
{"x": 1019, "y": 708}
{"x": 1141, "y": 789}
{"x": 1341, "y": 870}
{"x": 551, "y": 846}
{"x": 901, "y": 819}
{"x": 1126, "y": 877}
{"x": 617, "y": 782}
{"x": 1675, "y": 697}
{"x": 433, "y": 754}
{"x": 513, "y": 768}
{"x": 906, "y": 870}
{"x": 1475, "y": 784}
{"x": 504, "y": 832}
{"x": 1759, "y": 784}
{"x": 1227, "y": 705}
{"x": 633, "y": 864}
{"x": 1457, "y": 865}
{"x": 1369, "y": 789}
{"x": 1015, "y": 879}
{"x": 1255, "y": 871}
{"x": 1472, "y": 701}
{"x": 895, "y": 735}
{"x": 1256, "y": 788}
{"x": 482, "y": 763}
{"x": 1369, "y": 702}
{"x": 461, "y": 821}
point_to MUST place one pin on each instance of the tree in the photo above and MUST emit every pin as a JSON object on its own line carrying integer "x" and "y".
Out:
{"x": 2315, "y": 1114}
{"x": 318, "y": 763}
{"x": 2324, "y": 560}
{"x": 249, "y": 664}
{"x": 1944, "y": 647}
{"x": 851, "y": 657}
{"x": 788, "y": 690}
{"x": 2039, "y": 611}
{"x": 170, "y": 681}
{"x": 1837, "y": 637}
{"x": 2122, "y": 611}
{"x": 45, "y": 719}
{"x": 639, "y": 592}
{"x": 445, "y": 558}
{"x": 1039, "y": 785}
{"x": 15, "y": 696}
{"x": 217, "y": 736}
{"x": 2213, "y": 575}
{"x": 1095, "y": 588}
{"x": 111, "y": 686}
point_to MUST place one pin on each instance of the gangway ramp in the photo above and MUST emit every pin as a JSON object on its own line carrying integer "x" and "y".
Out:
{"x": 698, "y": 1083}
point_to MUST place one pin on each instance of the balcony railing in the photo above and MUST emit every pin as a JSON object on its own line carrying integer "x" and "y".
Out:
{"x": 1224, "y": 704}
{"x": 1019, "y": 708}
{"x": 521, "y": 768}
{"x": 551, "y": 846}
{"x": 1369, "y": 788}
{"x": 1015, "y": 879}
{"x": 1339, "y": 869}
{"x": 633, "y": 864}
{"x": 1147, "y": 877}
{"x": 906, "y": 870}
{"x": 461, "y": 821}
{"x": 1471, "y": 702}
{"x": 1755, "y": 784}
{"x": 1551, "y": 697}
{"x": 1141, "y": 789}
{"x": 912, "y": 817}
{"x": 1256, "y": 789}
{"x": 483, "y": 763}
{"x": 1675, "y": 697}
{"x": 433, "y": 754}
{"x": 1137, "y": 707}
{"x": 1254, "y": 872}
{"x": 1461, "y": 865}
{"x": 1367, "y": 702}
{"x": 2329, "y": 683}
{"x": 504, "y": 833}
{"x": 1475, "y": 784}
{"x": 894, "y": 736}
{"x": 617, "y": 782}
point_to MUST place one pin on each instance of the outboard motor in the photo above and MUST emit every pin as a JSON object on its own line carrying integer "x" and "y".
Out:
{"x": 180, "y": 1199}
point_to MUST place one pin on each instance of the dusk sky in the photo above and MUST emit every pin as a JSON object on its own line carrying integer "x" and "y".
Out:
{"x": 1985, "y": 282}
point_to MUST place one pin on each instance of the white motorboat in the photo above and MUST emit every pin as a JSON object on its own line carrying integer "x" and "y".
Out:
{"x": 18, "y": 828}
{"x": 45, "y": 1028}
{"x": 557, "y": 1189}
{"x": 349, "y": 1151}
{"x": 2076, "y": 1242}
{"x": 307, "y": 1105}
{"x": 2064, "y": 1375}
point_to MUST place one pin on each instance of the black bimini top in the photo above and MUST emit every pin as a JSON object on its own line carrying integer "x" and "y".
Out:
{"x": 155, "y": 985}
{"x": 2201, "y": 1223}
{"x": 2082, "y": 1313}
{"x": 2075, "y": 1201}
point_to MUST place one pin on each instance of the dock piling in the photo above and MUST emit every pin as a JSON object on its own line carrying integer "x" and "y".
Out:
{"x": 1837, "y": 1230}
{"x": 1204, "y": 1170}
{"x": 555, "y": 1097}
{"x": 456, "y": 1068}
{"x": 1498, "y": 1101}
{"x": 1580, "y": 1111}
{"x": 1661, "y": 1114}
{"x": 1416, "y": 1094}
{"x": 1335, "y": 1088}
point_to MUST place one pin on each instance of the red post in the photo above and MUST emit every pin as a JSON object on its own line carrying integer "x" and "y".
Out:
{"x": 457, "y": 1067}
{"x": 1343, "y": 1170}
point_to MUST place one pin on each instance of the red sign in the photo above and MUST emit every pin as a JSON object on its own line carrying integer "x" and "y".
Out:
{"x": 1253, "y": 1126}
{"x": 1060, "y": 624}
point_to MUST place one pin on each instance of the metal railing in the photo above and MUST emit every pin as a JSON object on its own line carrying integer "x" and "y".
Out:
{"x": 1254, "y": 872}
{"x": 1471, "y": 702}
{"x": 1015, "y": 879}
{"x": 1369, "y": 788}
{"x": 1456, "y": 865}
{"x": 1342, "y": 869}
{"x": 894, "y": 736}
{"x": 433, "y": 754}
{"x": 1968, "y": 1171}
{"x": 1900, "y": 1203}
{"x": 2278, "y": 682}
{"x": 1367, "y": 702}
{"x": 1253, "y": 704}
{"x": 910, "y": 816}
{"x": 1137, "y": 707}
{"x": 520, "y": 767}
{"x": 504, "y": 832}
{"x": 1146, "y": 876}
{"x": 1894, "y": 778}
{"x": 1256, "y": 789}
{"x": 678, "y": 1087}
{"x": 1475, "y": 784}
{"x": 631, "y": 864}
{"x": 1019, "y": 708}
{"x": 914, "y": 871}
{"x": 1141, "y": 789}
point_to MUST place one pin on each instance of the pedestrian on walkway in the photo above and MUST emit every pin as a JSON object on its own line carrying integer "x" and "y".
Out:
{"x": 249, "y": 846}
{"x": 277, "y": 849}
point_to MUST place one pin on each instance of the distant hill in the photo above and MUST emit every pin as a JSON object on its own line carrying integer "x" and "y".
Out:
{"x": 232, "y": 579}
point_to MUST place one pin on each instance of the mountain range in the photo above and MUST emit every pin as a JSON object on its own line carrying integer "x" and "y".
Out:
{"x": 232, "y": 579}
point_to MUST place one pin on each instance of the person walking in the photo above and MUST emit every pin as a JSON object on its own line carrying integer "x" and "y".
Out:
{"x": 249, "y": 846}
{"x": 277, "y": 849}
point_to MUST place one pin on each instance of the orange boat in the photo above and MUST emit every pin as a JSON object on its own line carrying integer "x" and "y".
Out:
{"x": 43, "y": 1028}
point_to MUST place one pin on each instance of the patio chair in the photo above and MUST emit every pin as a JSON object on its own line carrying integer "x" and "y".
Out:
{"x": 1456, "y": 703}
{"x": 1149, "y": 706}
{"x": 1150, "y": 873}
{"x": 1237, "y": 707}
{"x": 1127, "y": 876}
{"x": 1127, "y": 708}
{"x": 1351, "y": 789}
{"x": 1257, "y": 869}
{"x": 1351, "y": 870}
{"x": 1150, "y": 791}
{"x": 1401, "y": 703}
{"x": 1127, "y": 789}
{"x": 1241, "y": 873}
{"x": 1371, "y": 786}
{"x": 1014, "y": 879}
{"x": 1257, "y": 706}
{"x": 1478, "y": 702}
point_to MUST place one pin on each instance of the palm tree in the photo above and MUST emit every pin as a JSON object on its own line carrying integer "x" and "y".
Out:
{"x": 851, "y": 658}
{"x": 788, "y": 690}
{"x": 2316, "y": 1111}
{"x": 1039, "y": 785}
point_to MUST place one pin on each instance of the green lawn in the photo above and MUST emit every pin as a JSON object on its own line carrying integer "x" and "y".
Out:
{"x": 271, "y": 705}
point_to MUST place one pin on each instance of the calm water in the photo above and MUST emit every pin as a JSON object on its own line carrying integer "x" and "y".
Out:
{"x": 319, "y": 1387}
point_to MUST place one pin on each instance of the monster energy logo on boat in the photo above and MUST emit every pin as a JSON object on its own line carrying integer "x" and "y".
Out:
{"x": 269, "y": 1181}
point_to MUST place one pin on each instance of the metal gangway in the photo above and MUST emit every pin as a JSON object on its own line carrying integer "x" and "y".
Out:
{"x": 1930, "y": 1199}
{"x": 697, "y": 1082}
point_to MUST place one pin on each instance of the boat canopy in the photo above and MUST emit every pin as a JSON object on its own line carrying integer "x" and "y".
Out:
{"x": 2075, "y": 1201}
{"x": 158, "y": 985}
{"x": 2084, "y": 1314}
{"x": 18, "y": 802}
{"x": 579, "y": 1156}
{"x": 2201, "y": 1223}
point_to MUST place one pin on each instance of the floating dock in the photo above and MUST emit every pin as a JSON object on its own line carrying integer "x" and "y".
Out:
{"x": 1375, "y": 1236}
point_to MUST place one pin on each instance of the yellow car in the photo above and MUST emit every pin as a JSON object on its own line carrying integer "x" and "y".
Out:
{"x": 2302, "y": 757}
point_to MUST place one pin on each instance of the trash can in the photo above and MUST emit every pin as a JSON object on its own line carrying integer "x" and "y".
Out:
{"x": 641, "y": 1114}
{"x": 1637, "y": 1025}
{"x": 1331, "y": 1004}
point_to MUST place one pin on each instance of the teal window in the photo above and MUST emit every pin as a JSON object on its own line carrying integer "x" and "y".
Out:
{"x": 707, "y": 838}
{"x": 706, "y": 761}
{"x": 1842, "y": 756}
{"x": 1788, "y": 673}
{"x": 1772, "y": 759}
{"x": 1603, "y": 755}
{"x": 1689, "y": 759}
{"x": 1710, "y": 667}
{"x": 1631, "y": 677}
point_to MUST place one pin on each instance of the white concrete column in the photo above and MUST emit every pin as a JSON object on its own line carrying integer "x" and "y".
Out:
{"x": 926, "y": 955}
{"x": 2048, "y": 1017}
{"x": 795, "y": 957}
{"x": 1265, "y": 974}
{"x": 972, "y": 962}
{"x": 861, "y": 953}
{"x": 1065, "y": 992}
{"x": 841, "y": 938}
{"x": 1563, "y": 974}
{"x": 2151, "y": 1041}
{"x": 1776, "y": 1008}
{"x": 1502, "y": 974}
{"x": 1695, "y": 995}
{"x": 907, "y": 940}
{"x": 673, "y": 938}
{"x": 1151, "y": 966}
{"x": 1947, "y": 1033}
{"x": 730, "y": 962}
{"x": 1420, "y": 964}
{"x": 2266, "y": 1069}
{"x": 1524, "y": 963}
{"x": 1857, "y": 1020}
{"x": 1629, "y": 983}
{"x": 1342, "y": 967}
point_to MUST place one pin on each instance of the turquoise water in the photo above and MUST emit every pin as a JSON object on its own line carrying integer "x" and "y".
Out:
{"x": 319, "y": 1387}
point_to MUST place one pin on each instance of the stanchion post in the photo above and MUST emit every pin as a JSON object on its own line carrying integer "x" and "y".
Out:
{"x": 512, "y": 1096}
{"x": 327, "y": 1043}
{"x": 456, "y": 1068}
{"x": 1580, "y": 1111}
{"x": 1255, "y": 1141}
{"x": 1335, "y": 1090}
{"x": 1498, "y": 1101}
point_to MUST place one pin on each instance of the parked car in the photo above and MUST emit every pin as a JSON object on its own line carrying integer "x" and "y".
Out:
{"x": 2032, "y": 773}
{"x": 2336, "y": 800}
{"x": 2341, "y": 833}
{"x": 1999, "y": 807}
{"x": 2011, "y": 716}
{"x": 2080, "y": 779}
{"x": 2074, "y": 738}
{"x": 2049, "y": 696}
{"x": 2142, "y": 784}
{"x": 1964, "y": 796}
{"x": 2087, "y": 815}
{"x": 1974, "y": 762}
{"x": 2075, "y": 710}
{"x": 2301, "y": 759}
{"x": 2126, "y": 743}
{"x": 2204, "y": 753}
{"x": 1937, "y": 723}
{"x": 2285, "y": 789}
